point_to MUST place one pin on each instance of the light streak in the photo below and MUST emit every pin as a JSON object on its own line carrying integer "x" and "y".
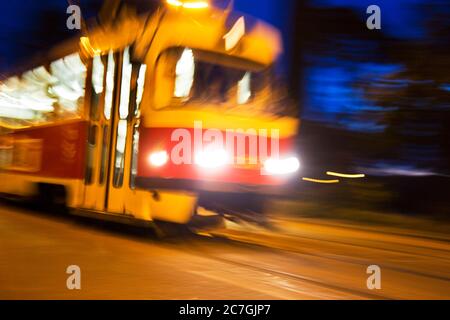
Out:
{"x": 85, "y": 42}
{"x": 343, "y": 175}
{"x": 320, "y": 181}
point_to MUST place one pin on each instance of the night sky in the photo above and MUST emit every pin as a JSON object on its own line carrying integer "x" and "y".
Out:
{"x": 24, "y": 32}
{"x": 20, "y": 20}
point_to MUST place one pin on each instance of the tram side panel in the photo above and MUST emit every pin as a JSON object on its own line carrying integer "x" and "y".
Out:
{"x": 50, "y": 154}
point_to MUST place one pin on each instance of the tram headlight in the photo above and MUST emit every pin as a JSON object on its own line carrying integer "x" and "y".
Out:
{"x": 158, "y": 159}
{"x": 211, "y": 158}
{"x": 274, "y": 166}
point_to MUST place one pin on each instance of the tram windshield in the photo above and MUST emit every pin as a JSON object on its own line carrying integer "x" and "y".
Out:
{"x": 203, "y": 79}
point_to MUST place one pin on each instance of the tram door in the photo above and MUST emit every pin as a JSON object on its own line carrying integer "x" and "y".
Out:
{"x": 113, "y": 135}
{"x": 121, "y": 195}
{"x": 101, "y": 91}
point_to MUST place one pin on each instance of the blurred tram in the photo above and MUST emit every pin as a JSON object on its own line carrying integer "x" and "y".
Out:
{"x": 125, "y": 122}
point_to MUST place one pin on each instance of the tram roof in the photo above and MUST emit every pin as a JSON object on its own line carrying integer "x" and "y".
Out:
{"x": 203, "y": 29}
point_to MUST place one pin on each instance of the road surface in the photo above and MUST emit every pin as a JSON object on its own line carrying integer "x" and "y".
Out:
{"x": 301, "y": 259}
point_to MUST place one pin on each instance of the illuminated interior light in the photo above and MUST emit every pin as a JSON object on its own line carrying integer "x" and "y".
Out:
{"x": 65, "y": 93}
{"x": 175, "y": 3}
{"x": 40, "y": 94}
{"x": 109, "y": 85}
{"x": 320, "y": 181}
{"x": 126, "y": 82}
{"x": 235, "y": 35}
{"x": 58, "y": 69}
{"x": 98, "y": 70}
{"x": 196, "y": 5}
{"x": 36, "y": 104}
{"x": 26, "y": 96}
{"x": 121, "y": 137}
{"x": 14, "y": 113}
{"x": 188, "y": 4}
{"x": 31, "y": 80}
{"x": 74, "y": 64}
{"x": 71, "y": 106}
{"x": 140, "y": 84}
{"x": 42, "y": 74}
{"x": 158, "y": 159}
{"x": 11, "y": 84}
{"x": 185, "y": 70}
{"x": 343, "y": 175}
{"x": 70, "y": 73}
{"x": 244, "y": 90}
{"x": 26, "y": 103}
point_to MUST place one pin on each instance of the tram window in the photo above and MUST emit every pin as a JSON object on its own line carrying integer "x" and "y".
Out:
{"x": 137, "y": 88}
{"x": 110, "y": 74}
{"x": 244, "y": 91}
{"x": 92, "y": 138}
{"x": 184, "y": 74}
{"x": 45, "y": 95}
{"x": 222, "y": 84}
{"x": 119, "y": 161}
{"x": 134, "y": 157}
{"x": 104, "y": 156}
{"x": 69, "y": 74}
{"x": 140, "y": 88}
{"x": 98, "y": 71}
{"x": 125, "y": 86}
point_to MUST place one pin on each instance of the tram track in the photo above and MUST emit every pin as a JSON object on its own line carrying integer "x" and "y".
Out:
{"x": 386, "y": 246}
{"x": 298, "y": 253}
{"x": 340, "y": 258}
{"x": 337, "y": 289}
